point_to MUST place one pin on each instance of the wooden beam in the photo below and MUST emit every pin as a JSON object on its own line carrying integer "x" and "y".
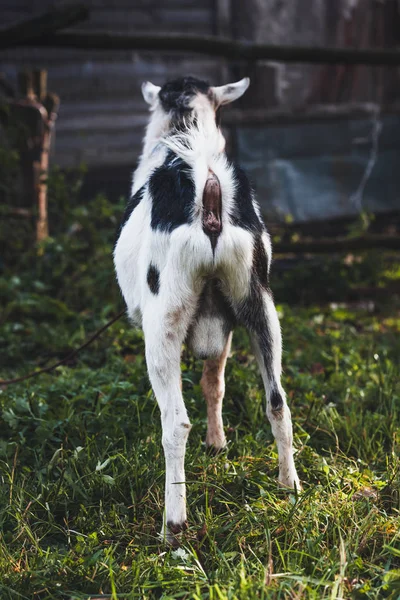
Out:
{"x": 211, "y": 45}
{"x": 48, "y": 23}
{"x": 306, "y": 114}
{"x": 331, "y": 227}
{"x": 338, "y": 245}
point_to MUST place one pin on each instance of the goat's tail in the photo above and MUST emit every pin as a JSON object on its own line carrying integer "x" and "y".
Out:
{"x": 212, "y": 209}
{"x": 200, "y": 149}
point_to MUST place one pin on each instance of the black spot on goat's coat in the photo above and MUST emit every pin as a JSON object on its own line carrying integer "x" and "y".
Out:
{"x": 276, "y": 400}
{"x": 132, "y": 203}
{"x": 243, "y": 213}
{"x": 260, "y": 262}
{"x": 175, "y": 96}
{"x": 172, "y": 192}
{"x": 252, "y": 314}
{"x": 153, "y": 279}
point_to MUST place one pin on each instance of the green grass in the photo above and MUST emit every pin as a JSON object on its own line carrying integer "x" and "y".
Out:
{"x": 81, "y": 461}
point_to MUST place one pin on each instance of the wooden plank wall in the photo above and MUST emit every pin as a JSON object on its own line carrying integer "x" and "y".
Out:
{"x": 102, "y": 113}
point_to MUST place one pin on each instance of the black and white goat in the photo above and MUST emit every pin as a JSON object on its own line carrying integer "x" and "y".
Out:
{"x": 192, "y": 261}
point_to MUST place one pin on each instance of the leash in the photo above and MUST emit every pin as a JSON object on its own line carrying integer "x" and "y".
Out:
{"x": 67, "y": 358}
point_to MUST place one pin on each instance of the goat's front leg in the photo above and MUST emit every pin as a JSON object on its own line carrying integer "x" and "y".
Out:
{"x": 262, "y": 321}
{"x": 164, "y": 334}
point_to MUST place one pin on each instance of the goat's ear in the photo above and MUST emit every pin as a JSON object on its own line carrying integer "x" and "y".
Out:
{"x": 225, "y": 94}
{"x": 150, "y": 92}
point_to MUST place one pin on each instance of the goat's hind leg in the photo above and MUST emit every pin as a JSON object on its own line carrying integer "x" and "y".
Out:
{"x": 213, "y": 386}
{"x": 164, "y": 334}
{"x": 260, "y": 317}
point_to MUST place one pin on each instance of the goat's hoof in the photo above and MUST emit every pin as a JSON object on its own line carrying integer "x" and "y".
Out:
{"x": 215, "y": 450}
{"x": 171, "y": 532}
{"x": 289, "y": 484}
{"x": 176, "y": 528}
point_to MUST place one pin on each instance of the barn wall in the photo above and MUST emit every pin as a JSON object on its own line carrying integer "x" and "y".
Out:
{"x": 316, "y": 169}
{"x": 319, "y": 23}
{"x": 102, "y": 113}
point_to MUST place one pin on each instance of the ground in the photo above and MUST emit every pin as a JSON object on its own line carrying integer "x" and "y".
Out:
{"x": 81, "y": 461}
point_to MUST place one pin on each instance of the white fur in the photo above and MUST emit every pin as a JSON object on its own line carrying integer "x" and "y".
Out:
{"x": 184, "y": 259}
{"x": 150, "y": 92}
{"x": 230, "y": 92}
{"x": 208, "y": 338}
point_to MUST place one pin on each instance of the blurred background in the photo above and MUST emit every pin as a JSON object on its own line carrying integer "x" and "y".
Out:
{"x": 319, "y": 141}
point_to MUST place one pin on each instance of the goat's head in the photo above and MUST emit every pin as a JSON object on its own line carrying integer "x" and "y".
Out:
{"x": 181, "y": 101}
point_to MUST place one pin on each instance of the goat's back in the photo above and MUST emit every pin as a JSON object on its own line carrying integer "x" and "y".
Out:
{"x": 192, "y": 225}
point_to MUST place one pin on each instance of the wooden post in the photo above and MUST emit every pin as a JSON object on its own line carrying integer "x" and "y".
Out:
{"x": 36, "y": 110}
{"x": 39, "y": 79}
{"x": 51, "y": 104}
{"x": 25, "y": 85}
